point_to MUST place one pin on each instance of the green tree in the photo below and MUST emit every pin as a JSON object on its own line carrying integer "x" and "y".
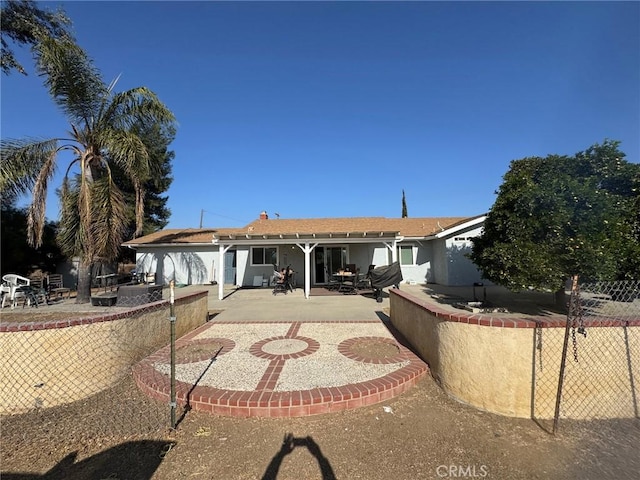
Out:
{"x": 16, "y": 255}
{"x": 404, "y": 206}
{"x": 156, "y": 213}
{"x": 560, "y": 216}
{"x": 93, "y": 218}
{"x": 23, "y": 23}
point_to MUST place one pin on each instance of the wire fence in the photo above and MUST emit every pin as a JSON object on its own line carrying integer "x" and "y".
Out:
{"x": 73, "y": 376}
{"x": 589, "y": 367}
{"x": 69, "y": 375}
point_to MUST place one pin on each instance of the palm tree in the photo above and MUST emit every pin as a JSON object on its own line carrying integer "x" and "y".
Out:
{"x": 93, "y": 219}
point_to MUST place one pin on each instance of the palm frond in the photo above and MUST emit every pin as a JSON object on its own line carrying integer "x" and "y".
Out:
{"x": 138, "y": 105}
{"x": 109, "y": 219}
{"x": 73, "y": 81}
{"x": 127, "y": 150}
{"x": 36, "y": 217}
{"x": 21, "y": 163}
{"x": 24, "y": 23}
{"x": 70, "y": 233}
{"x": 93, "y": 220}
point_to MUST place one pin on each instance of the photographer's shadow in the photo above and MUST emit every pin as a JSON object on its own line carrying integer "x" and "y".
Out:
{"x": 289, "y": 443}
{"x": 135, "y": 459}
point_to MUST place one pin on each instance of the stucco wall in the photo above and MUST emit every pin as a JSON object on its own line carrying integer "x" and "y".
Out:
{"x": 184, "y": 264}
{"x": 380, "y": 255}
{"x": 288, "y": 255}
{"x": 494, "y": 364}
{"x": 361, "y": 254}
{"x": 440, "y": 270}
{"x": 51, "y": 363}
{"x": 461, "y": 270}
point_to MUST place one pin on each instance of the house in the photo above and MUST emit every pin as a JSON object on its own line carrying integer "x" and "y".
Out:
{"x": 430, "y": 250}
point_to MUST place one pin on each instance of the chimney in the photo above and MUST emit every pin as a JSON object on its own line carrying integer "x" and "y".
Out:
{"x": 263, "y": 215}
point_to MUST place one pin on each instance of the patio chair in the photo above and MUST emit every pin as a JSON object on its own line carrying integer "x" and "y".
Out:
{"x": 332, "y": 282}
{"x": 364, "y": 281}
{"x": 13, "y": 288}
{"x": 38, "y": 291}
{"x": 291, "y": 279}
{"x": 5, "y": 291}
{"x": 56, "y": 286}
{"x": 279, "y": 282}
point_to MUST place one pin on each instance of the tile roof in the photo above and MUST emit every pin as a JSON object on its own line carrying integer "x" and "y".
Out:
{"x": 407, "y": 227}
{"x": 413, "y": 227}
{"x": 177, "y": 236}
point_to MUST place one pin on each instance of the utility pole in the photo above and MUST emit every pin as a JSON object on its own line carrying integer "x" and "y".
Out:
{"x": 201, "y": 215}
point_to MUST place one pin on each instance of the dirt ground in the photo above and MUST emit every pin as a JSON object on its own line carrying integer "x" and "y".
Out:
{"x": 420, "y": 434}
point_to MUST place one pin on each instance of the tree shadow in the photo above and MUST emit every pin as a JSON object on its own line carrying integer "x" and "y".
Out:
{"x": 190, "y": 262}
{"x": 138, "y": 459}
{"x": 461, "y": 269}
{"x": 289, "y": 443}
{"x": 397, "y": 335}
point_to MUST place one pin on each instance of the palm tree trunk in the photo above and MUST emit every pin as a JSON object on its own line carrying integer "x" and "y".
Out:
{"x": 84, "y": 282}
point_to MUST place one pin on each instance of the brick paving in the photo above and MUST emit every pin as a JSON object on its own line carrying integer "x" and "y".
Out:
{"x": 311, "y": 368}
{"x": 283, "y": 357}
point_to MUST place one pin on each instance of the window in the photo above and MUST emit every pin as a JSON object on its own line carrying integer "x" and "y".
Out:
{"x": 405, "y": 254}
{"x": 264, "y": 255}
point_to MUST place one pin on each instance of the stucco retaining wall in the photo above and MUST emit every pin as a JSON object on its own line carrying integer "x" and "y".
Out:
{"x": 44, "y": 364}
{"x": 510, "y": 367}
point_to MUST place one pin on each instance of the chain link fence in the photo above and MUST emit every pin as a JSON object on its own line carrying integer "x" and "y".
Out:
{"x": 588, "y": 367}
{"x": 69, "y": 374}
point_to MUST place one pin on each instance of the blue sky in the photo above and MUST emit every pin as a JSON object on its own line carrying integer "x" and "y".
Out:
{"x": 331, "y": 109}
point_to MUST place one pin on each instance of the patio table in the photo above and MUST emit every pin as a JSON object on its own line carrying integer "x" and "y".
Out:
{"x": 346, "y": 277}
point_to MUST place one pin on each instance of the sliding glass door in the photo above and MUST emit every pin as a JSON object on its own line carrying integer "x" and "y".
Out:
{"x": 328, "y": 260}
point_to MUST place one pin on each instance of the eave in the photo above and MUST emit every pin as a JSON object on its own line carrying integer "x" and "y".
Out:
{"x": 325, "y": 238}
{"x": 463, "y": 226}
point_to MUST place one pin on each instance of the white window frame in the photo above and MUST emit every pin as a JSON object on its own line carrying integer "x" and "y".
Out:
{"x": 413, "y": 254}
{"x": 263, "y": 259}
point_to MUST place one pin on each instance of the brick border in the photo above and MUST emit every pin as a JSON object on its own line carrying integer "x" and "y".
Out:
{"x": 257, "y": 351}
{"x": 93, "y": 317}
{"x": 264, "y": 402}
{"x": 485, "y": 320}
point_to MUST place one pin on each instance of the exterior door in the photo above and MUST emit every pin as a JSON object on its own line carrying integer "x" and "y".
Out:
{"x": 319, "y": 266}
{"x": 230, "y": 267}
{"x": 328, "y": 260}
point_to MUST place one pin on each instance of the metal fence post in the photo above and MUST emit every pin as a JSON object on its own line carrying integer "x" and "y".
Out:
{"x": 172, "y": 319}
{"x": 565, "y": 345}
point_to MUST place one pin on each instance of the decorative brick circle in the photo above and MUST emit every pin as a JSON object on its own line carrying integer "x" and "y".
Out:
{"x": 202, "y": 349}
{"x": 284, "y": 348}
{"x": 379, "y": 350}
{"x": 263, "y": 400}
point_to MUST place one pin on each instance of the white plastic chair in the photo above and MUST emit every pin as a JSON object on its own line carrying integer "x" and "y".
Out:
{"x": 11, "y": 288}
{"x": 5, "y": 291}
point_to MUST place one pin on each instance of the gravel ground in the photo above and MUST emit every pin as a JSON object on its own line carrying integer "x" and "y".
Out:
{"x": 239, "y": 370}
